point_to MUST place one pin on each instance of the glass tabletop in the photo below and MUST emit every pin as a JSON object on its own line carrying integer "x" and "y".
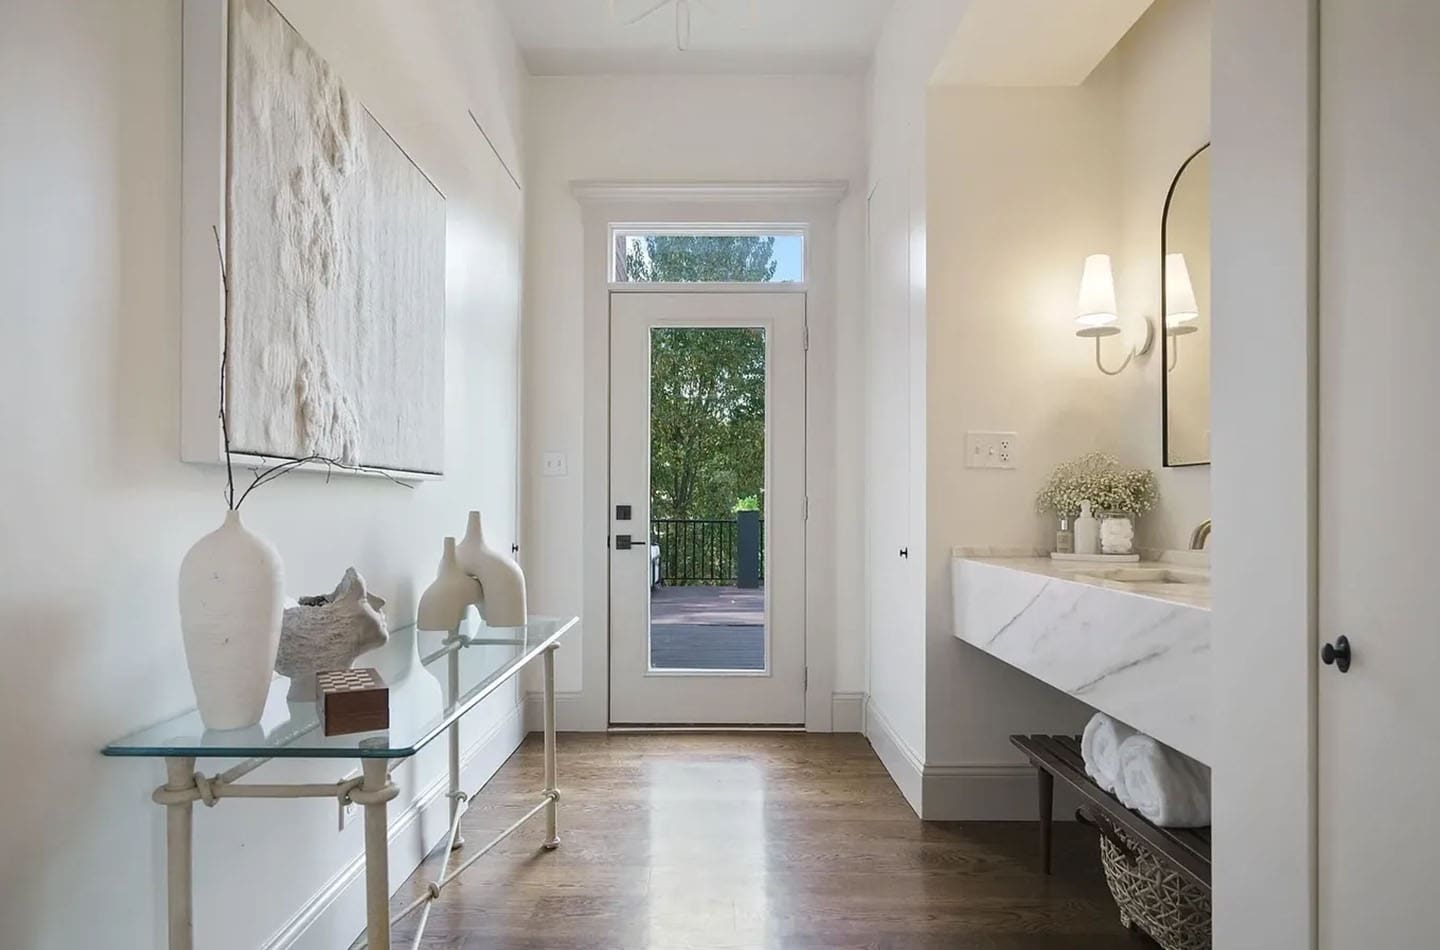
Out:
{"x": 420, "y": 705}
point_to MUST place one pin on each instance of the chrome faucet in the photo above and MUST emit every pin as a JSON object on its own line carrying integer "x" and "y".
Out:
{"x": 1200, "y": 536}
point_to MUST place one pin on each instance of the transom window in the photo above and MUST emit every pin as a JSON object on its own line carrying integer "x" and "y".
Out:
{"x": 699, "y": 255}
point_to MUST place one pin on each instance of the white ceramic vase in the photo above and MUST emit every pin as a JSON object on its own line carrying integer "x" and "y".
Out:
{"x": 449, "y": 596}
{"x": 231, "y": 603}
{"x": 501, "y": 579}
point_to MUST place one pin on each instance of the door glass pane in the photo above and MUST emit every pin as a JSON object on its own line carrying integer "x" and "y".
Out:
{"x": 706, "y": 256}
{"x": 707, "y": 498}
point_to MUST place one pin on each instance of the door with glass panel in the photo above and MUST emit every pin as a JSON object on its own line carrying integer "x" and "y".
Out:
{"x": 707, "y": 508}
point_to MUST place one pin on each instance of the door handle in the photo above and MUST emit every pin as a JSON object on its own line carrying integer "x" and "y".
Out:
{"x": 1337, "y": 654}
{"x": 625, "y": 542}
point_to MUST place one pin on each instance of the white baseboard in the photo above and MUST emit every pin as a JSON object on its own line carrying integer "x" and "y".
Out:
{"x": 980, "y": 792}
{"x": 847, "y": 712}
{"x": 335, "y": 915}
{"x": 962, "y": 792}
{"x": 570, "y": 714}
{"x": 904, "y": 764}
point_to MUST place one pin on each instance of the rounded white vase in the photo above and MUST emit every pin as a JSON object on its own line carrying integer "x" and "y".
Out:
{"x": 445, "y": 602}
{"x": 231, "y": 603}
{"x": 500, "y": 577}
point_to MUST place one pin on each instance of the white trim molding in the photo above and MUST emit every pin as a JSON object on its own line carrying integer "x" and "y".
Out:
{"x": 847, "y": 712}
{"x": 827, "y": 190}
{"x": 969, "y": 791}
{"x": 812, "y": 205}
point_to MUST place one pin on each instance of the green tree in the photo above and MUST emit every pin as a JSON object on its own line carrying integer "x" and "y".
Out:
{"x": 702, "y": 257}
{"x": 707, "y": 385}
{"x": 707, "y": 420}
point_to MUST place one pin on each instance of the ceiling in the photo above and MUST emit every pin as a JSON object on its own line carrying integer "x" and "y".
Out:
{"x": 575, "y": 37}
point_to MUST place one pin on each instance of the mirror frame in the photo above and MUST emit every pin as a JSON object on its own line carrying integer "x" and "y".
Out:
{"x": 1164, "y": 340}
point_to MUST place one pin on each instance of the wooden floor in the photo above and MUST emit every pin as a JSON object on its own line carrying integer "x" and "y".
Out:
{"x": 707, "y": 628}
{"x": 672, "y": 842}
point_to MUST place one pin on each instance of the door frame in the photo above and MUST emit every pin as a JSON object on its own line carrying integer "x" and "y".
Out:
{"x": 812, "y": 205}
{"x": 780, "y": 332}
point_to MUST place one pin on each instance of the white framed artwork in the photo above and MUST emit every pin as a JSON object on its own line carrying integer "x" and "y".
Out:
{"x": 334, "y": 244}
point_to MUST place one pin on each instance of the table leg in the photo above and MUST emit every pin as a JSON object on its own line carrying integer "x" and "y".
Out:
{"x": 179, "y": 775}
{"x": 552, "y": 808}
{"x": 1047, "y": 816}
{"x": 377, "y": 856}
{"x": 454, "y": 669}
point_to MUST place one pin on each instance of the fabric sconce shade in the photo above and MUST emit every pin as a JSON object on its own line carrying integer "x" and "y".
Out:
{"x": 1097, "y": 293}
{"x": 1180, "y": 306}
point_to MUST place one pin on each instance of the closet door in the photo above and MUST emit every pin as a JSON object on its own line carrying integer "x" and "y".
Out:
{"x": 1379, "y": 475}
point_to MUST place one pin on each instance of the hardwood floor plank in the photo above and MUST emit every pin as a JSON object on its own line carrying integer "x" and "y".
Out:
{"x": 751, "y": 842}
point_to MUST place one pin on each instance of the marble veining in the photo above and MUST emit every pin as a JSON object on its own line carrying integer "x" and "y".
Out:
{"x": 1139, "y": 652}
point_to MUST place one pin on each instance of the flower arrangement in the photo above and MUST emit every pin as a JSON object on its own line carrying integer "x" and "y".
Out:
{"x": 1101, "y": 480}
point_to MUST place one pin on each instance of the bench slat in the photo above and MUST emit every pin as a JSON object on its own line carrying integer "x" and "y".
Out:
{"x": 1187, "y": 849}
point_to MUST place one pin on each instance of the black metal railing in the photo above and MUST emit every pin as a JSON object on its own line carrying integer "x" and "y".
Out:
{"x": 701, "y": 552}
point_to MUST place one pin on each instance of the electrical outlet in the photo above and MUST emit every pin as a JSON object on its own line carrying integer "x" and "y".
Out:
{"x": 554, "y": 465}
{"x": 991, "y": 450}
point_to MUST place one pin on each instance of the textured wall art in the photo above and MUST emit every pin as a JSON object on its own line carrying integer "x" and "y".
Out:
{"x": 336, "y": 250}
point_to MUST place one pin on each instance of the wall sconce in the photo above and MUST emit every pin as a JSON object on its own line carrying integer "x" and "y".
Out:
{"x": 1180, "y": 306}
{"x": 1097, "y": 314}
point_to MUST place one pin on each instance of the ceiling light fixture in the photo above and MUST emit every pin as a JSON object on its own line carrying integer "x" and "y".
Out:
{"x": 682, "y": 17}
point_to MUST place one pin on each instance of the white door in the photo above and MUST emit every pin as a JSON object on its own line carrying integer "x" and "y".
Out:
{"x": 707, "y": 414}
{"x": 1379, "y": 438}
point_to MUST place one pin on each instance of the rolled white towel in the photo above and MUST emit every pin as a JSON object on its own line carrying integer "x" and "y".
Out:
{"x": 1170, "y": 789}
{"x": 1100, "y": 748}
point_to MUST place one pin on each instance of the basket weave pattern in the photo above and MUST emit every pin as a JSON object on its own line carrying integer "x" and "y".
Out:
{"x": 1172, "y": 910}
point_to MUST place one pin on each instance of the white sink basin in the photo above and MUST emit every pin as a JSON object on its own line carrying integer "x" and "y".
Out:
{"x": 1146, "y": 575}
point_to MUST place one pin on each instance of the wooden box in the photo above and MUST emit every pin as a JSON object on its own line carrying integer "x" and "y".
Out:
{"x": 351, "y": 701}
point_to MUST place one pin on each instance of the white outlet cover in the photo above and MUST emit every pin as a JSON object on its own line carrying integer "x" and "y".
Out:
{"x": 554, "y": 465}
{"x": 990, "y": 449}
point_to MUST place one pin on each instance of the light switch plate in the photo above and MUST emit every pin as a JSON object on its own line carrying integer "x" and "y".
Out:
{"x": 991, "y": 450}
{"x": 554, "y": 465}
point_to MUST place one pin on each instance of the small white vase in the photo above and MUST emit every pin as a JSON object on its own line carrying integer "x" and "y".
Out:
{"x": 449, "y": 596}
{"x": 231, "y": 603}
{"x": 500, "y": 577}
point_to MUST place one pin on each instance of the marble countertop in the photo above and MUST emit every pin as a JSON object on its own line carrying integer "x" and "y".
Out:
{"x": 1083, "y": 572}
{"x": 1137, "y": 651}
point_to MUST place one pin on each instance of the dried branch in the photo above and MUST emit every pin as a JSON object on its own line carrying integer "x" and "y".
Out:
{"x": 224, "y": 370}
{"x": 264, "y": 476}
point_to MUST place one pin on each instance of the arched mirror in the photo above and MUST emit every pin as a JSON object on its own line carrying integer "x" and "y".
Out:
{"x": 1185, "y": 296}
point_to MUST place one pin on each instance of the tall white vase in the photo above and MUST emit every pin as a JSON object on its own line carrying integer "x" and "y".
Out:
{"x": 500, "y": 577}
{"x": 231, "y": 603}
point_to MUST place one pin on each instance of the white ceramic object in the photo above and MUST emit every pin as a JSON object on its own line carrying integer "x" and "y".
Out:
{"x": 500, "y": 577}
{"x": 445, "y": 602}
{"x": 1087, "y": 531}
{"x": 328, "y": 633}
{"x": 231, "y": 602}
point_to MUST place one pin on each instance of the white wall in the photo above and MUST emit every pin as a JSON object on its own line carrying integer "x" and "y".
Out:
{"x": 1264, "y": 408}
{"x": 911, "y": 44}
{"x": 99, "y": 511}
{"x": 674, "y": 128}
{"x": 1024, "y": 182}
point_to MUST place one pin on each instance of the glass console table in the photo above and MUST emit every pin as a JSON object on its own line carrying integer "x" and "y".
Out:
{"x": 470, "y": 665}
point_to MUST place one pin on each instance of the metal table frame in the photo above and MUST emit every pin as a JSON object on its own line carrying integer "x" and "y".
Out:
{"x": 373, "y": 790}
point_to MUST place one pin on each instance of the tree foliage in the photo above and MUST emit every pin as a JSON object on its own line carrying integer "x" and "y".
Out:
{"x": 707, "y": 384}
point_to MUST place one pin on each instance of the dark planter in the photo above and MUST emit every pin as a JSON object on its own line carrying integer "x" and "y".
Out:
{"x": 747, "y": 549}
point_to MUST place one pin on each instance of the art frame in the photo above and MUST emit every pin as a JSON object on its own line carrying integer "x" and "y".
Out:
{"x": 208, "y": 199}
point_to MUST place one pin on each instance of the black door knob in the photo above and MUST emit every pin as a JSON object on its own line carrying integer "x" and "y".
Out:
{"x": 1337, "y": 654}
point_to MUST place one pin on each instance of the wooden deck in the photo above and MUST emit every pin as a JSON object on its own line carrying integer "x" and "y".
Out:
{"x": 707, "y": 628}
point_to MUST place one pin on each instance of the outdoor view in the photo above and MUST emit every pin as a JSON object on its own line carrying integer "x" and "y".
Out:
{"x": 707, "y": 464}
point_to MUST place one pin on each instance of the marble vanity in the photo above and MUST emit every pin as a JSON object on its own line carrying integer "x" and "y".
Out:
{"x": 1132, "y": 640}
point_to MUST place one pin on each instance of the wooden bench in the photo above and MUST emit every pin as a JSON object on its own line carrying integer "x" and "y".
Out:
{"x": 1187, "y": 849}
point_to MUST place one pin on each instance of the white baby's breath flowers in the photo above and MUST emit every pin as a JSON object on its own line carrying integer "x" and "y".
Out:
{"x": 1099, "y": 479}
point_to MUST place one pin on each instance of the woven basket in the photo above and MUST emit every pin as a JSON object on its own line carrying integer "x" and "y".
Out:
{"x": 1172, "y": 910}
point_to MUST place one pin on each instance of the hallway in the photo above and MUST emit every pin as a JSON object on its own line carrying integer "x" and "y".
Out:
{"x": 756, "y": 841}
